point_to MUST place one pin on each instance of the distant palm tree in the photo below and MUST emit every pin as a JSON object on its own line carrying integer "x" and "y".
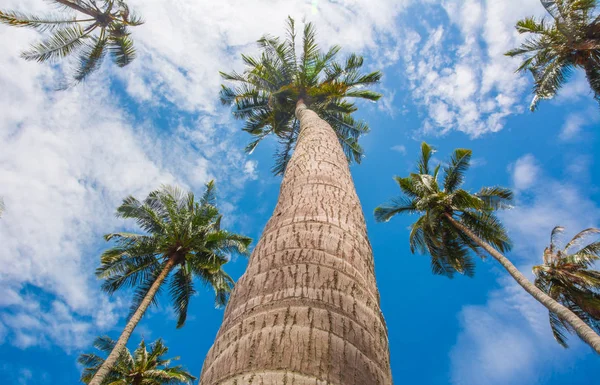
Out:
{"x": 104, "y": 27}
{"x": 143, "y": 367}
{"x": 571, "y": 40}
{"x": 1, "y": 207}
{"x": 567, "y": 276}
{"x": 454, "y": 223}
{"x": 181, "y": 234}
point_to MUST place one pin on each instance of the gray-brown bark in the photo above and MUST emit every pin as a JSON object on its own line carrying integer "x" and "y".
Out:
{"x": 583, "y": 330}
{"x": 131, "y": 324}
{"x": 307, "y": 309}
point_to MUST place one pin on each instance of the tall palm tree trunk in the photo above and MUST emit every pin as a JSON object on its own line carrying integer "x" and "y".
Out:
{"x": 307, "y": 309}
{"x": 131, "y": 324}
{"x": 581, "y": 328}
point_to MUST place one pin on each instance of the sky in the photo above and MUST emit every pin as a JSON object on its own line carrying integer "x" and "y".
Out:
{"x": 68, "y": 158}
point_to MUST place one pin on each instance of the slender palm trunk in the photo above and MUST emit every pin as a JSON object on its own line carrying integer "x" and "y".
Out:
{"x": 76, "y": 7}
{"x": 583, "y": 330}
{"x": 131, "y": 324}
{"x": 306, "y": 312}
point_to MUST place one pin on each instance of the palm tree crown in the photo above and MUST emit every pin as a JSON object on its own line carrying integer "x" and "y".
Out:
{"x": 268, "y": 90}
{"x": 567, "y": 276}
{"x": 103, "y": 27}
{"x": 437, "y": 202}
{"x": 142, "y": 367}
{"x": 178, "y": 229}
{"x": 571, "y": 40}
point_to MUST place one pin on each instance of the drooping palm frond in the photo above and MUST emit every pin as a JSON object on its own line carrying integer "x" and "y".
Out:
{"x": 103, "y": 24}
{"x": 569, "y": 278}
{"x": 570, "y": 40}
{"x": 142, "y": 367}
{"x": 435, "y": 203}
{"x": 266, "y": 92}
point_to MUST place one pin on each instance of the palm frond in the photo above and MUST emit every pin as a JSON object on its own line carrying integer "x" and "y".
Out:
{"x": 181, "y": 289}
{"x": 556, "y": 232}
{"x": 90, "y": 58}
{"x": 580, "y": 237}
{"x": 121, "y": 46}
{"x": 395, "y": 206}
{"x": 454, "y": 172}
{"x": 42, "y": 24}
{"x": 59, "y": 45}
{"x": 426, "y": 153}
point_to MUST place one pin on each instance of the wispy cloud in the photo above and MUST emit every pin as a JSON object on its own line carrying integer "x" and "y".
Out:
{"x": 459, "y": 73}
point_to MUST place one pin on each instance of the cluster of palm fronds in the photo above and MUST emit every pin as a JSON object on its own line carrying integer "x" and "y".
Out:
{"x": 141, "y": 367}
{"x": 268, "y": 91}
{"x": 570, "y": 40}
{"x": 99, "y": 27}
{"x": 567, "y": 275}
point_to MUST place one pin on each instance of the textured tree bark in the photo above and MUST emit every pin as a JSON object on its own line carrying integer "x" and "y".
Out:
{"x": 583, "y": 330}
{"x": 307, "y": 309}
{"x": 131, "y": 324}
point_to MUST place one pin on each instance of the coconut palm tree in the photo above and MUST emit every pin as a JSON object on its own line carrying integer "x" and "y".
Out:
{"x": 567, "y": 276}
{"x": 569, "y": 41}
{"x": 183, "y": 239}
{"x": 307, "y": 309}
{"x": 102, "y": 27}
{"x": 455, "y": 223}
{"x": 142, "y": 367}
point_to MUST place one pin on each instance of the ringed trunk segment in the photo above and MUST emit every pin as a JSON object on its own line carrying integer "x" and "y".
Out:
{"x": 131, "y": 324}
{"x": 585, "y": 332}
{"x": 306, "y": 311}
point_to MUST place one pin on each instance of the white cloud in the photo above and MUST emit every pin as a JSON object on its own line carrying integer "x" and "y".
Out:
{"x": 508, "y": 340}
{"x": 524, "y": 172}
{"x": 400, "y": 148}
{"x": 576, "y": 122}
{"x": 463, "y": 79}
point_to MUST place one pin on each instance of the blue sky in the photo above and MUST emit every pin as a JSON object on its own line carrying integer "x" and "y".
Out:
{"x": 68, "y": 158}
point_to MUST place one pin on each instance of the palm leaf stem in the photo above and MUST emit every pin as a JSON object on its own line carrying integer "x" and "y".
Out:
{"x": 76, "y": 7}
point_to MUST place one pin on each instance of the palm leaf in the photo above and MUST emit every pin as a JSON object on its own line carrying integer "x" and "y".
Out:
{"x": 60, "y": 44}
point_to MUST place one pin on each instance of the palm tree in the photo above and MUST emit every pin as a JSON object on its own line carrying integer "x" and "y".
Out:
{"x": 567, "y": 276}
{"x": 183, "y": 238}
{"x": 307, "y": 309}
{"x": 103, "y": 27}
{"x": 142, "y": 367}
{"x": 1, "y": 207}
{"x": 570, "y": 41}
{"x": 454, "y": 223}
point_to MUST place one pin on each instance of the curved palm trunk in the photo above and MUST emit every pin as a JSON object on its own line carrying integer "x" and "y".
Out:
{"x": 307, "y": 309}
{"x": 131, "y": 324}
{"x": 583, "y": 330}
